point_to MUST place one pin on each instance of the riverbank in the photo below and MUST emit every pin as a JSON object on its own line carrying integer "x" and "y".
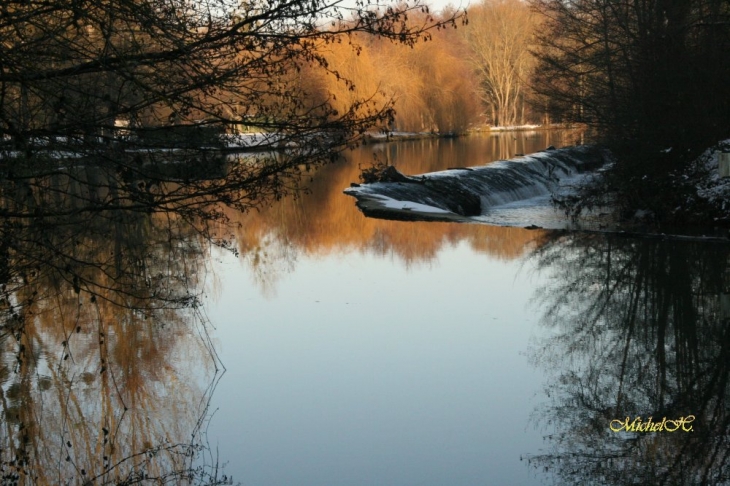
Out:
{"x": 693, "y": 198}
{"x": 60, "y": 147}
{"x": 548, "y": 197}
{"x": 712, "y": 190}
{"x": 378, "y": 137}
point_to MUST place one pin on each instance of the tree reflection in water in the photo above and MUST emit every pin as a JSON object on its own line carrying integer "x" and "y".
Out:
{"x": 106, "y": 369}
{"x": 105, "y": 366}
{"x": 640, "y": 329}
{"x": 324, "y": 221}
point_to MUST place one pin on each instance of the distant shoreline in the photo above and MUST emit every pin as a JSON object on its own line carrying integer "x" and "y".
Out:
{"x": 380, "y": 137}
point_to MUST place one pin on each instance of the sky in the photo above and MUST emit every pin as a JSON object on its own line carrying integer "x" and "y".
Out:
{"x": 437, "y": 6}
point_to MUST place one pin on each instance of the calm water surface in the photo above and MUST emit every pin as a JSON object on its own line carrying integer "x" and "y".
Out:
{"x": 373, "y": 352}
{"x": 378, "y": 352}
{"x": 362, "y": 369}
{"x": 359, "y": 351}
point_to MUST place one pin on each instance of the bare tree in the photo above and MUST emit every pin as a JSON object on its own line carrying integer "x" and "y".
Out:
{"x": 639, "y": 70}
{"x": 93, "y": 78}
{"x": 499, "y": 36}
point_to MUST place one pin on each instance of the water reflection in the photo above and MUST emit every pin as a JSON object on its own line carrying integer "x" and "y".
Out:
{"x": 106, "y": 369}
{"x": 104, "y": 377}
{"x": 430, "y": 155}
{"x": 639, "y": 329}
{"x": 323, "y": 221}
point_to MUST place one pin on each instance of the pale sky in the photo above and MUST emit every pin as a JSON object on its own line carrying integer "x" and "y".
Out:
{"x": 438, "y": 5}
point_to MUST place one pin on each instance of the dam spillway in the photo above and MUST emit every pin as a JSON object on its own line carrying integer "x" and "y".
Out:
{"x": 466, "y": 193}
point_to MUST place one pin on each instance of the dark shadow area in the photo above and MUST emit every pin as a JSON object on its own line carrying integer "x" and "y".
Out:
{"x": 639, "y": 328}
{"x": 651, "y": 78}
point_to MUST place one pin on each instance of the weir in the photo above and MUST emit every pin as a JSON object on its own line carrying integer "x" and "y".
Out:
{"x": 460, "y": 193}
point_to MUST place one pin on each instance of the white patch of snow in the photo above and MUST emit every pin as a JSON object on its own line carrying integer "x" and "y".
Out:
{"x": 512, "y": 128}
{"x": 712, "y": 187}
{"x": 391, "y": 203}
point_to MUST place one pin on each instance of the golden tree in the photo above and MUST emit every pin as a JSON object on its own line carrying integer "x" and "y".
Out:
{"x": 500, "y": 36}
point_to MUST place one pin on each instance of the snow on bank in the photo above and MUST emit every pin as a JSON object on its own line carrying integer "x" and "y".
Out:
{"x": 514, "y": 128}
{"x": 254, "y": 141}
{"x": 711, "y": 187}
{"x": 393, "y": 136}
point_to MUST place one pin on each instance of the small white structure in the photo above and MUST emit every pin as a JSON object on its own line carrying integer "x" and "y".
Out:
{"x": 121, "y": 127}
{"x": 723, "y": 163}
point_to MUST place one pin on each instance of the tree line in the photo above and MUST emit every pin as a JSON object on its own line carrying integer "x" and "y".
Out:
{"x": 653, "y": 70}
{"x": 474, "y": 76}
{"x": 83, "y": 68}
{"x": 651, "y": 77}
{"x": 96, "y": 77}
{"x": 96, "y": 69}
{"x": 102, "y": 86}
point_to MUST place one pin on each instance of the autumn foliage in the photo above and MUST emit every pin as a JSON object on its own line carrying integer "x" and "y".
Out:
{"x": 429, "y": 85}
{"x": 456, "y": 79}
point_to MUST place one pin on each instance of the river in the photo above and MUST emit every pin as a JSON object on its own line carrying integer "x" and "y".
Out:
{"x": 321, "y": 347}
{"x": 364, "y": 351}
